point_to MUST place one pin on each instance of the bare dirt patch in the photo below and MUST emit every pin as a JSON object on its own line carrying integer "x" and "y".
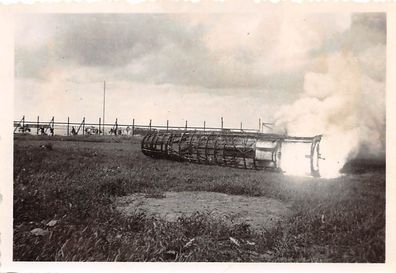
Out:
{"x": 259, "y": 212}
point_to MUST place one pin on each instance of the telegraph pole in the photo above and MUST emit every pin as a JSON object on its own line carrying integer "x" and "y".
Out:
{"x": 104, "y": 105}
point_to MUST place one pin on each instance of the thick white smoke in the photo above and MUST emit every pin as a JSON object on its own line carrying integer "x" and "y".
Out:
{"x": 344, "y": 103}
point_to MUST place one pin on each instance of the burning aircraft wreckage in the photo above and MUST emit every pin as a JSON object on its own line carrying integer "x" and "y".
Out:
{"x": 256, "y": 151}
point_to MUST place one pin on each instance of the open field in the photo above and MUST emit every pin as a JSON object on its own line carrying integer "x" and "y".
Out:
{"x": 79, "y": 183}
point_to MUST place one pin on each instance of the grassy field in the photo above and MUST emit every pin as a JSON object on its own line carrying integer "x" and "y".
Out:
{"x": 76, "y": 181}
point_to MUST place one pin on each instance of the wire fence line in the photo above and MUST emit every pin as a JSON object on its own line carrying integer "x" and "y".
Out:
{"x": 69, "y": 128}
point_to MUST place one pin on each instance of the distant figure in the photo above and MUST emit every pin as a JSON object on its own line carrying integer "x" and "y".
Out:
{"x": 92, "y": 130}
{"x": 114, "y": 131}
{"x": 42, "y": 131}
{"x": 24, "y": 129}
{"x": 73, "y": 131}
{"x": 52, "y": 131}
{"x": 89, "y": 130}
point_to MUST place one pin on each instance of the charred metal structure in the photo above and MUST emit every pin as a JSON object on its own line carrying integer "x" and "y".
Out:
{"x": 256, "y": 151}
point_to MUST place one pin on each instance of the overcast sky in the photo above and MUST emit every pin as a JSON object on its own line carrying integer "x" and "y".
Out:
{"x": 182, "y": 66}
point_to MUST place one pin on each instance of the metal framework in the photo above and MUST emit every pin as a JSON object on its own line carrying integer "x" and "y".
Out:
{"x": 239, "y": 150}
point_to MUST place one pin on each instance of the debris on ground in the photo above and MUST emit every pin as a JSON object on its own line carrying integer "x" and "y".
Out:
{"x": 39, "y": 232}
{"x": 234, "y": 241}
{"x": 189, "y": 243}
{"x": 52, "y": 223}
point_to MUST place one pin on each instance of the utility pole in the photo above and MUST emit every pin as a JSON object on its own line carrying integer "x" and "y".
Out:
{"x": 104, "y": 105}
{"x": 260, "y": 125}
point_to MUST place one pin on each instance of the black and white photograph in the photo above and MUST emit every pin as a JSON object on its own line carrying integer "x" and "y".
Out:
{"x": 238, "y": 137}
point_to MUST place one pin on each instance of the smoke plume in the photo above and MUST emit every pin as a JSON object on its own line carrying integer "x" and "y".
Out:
{"x": 344, "y": 104}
